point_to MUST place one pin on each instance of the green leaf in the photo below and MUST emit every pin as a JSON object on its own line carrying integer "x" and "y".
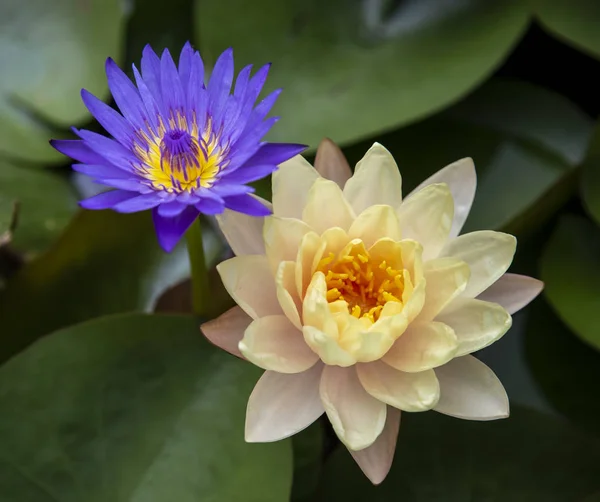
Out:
{"x": 308, "y": 462}
{"x": 573, "y": 21}
{"x": 571, "y": 270}
{"x": 104, "y": 263}
{"x": 566, "y": 370}
{"x": 590, "y": 179}
{"x": 133, "y": 408}
{"x": 351, "y": 70}
{"x": 46, "y": 205}
{"x": 49, "y": 51}
{"x": 528, "y": 457}
{"x": 525, "y": 141}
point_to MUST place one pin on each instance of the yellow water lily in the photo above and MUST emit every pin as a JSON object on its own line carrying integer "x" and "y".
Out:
{"x": 361, "y": 304}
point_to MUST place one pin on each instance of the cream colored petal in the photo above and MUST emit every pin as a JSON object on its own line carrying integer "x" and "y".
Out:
{"x": 328, "y": 348}
{"x": 315, "y": 308}
{"x": 426, "y": 217}
{"x": 374, "y": 223}
{"x": 326, "y": 207}
{"x": 291, "y": 183}
{"x": 376, "y": 180}
{"x": 513, "y": 291}
{"x": 357, "y": 418}
{"x": 488, "y": 254}
{"x": 287, "y": 293}
{"x": 227, "y": 330}
{"x": 274, "y": 343}
{"x": 310, "y": 246}
{"x": 375, "y": 461}
{"x": 249, "y": 282}
{"x": 461, "y": 178}
{"x": 470, "y": 390}
{"x": 423, "y": 346}
{"x": 476, "y": 323}
{"x": 244, "y": 233}
{"x": 446, "y": 278}
{"x": 282, "y": 238}
{"x": 405, "y": 391}
{"x": 282, "y": 405}
{"x": 331, "y": 163}
{"x": 414, "y": 305}
{"x": 378, "y": 340}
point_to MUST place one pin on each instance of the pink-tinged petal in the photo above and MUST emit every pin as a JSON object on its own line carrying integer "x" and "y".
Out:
{"x": 426, "y": 217}
{"x": 331, "y": 163}
{"x": 291, "y": 183}
{"x": 461, "y": 178}
{"x": 274, "y": 343}
{"x": 249, "y": 282}
{"x": 282, "y": 405}
{"x": 227, "y": 330}
{"x": 326, "y": 207}
{"x": 287, "y": 293}
{"x": 470, "y": 390}
{"x": 374, "y": 223}
{"x": 282, "y": 237}
{"x": 512, "y": 291}
{"x": 376, "y": 460}
{"x": 357, "y": 417}
{"x": 244, "y": 233}
{"x": 405, "y": 391}
{"x": 423, "y": 346}
{"x": 376, "y": 180}
{"x": 488, "y": 254}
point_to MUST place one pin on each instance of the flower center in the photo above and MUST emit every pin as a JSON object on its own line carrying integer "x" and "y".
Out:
{"x": 363, "y": 283}
{"x": 177, "y": 161}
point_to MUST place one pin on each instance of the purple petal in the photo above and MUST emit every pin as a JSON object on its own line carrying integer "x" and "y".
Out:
{"x": 108, "y": 118}
{"x": 274, "y": 153}
{"x": 111, "y": 150}
{"x": 246, "y": 204}
{"x": 78, "y": 150}
{"x": 253, "y": 90}
{"x": 262, "y": 109}
{"x": 151, "y": 72}
{"x": 139, "y": 203}
{"x": 196, "y": 93}
{"x": 107, "y": 200}
{"x": 249, "y": 143}
{"x": 224, "y": 190}
{"x": 210, "y": 206}
{"x": 153, "y": 109}
{"x": 125, "y": 95}
{"x": 130, "y": 184}
{"x": 170, "y": 85}
{"x": 100, "y": 171}
{"x": 171, "y": 209}
{"x": 170, "y": 230}
{"x": 185, "y": 62}
{"x": 241, "y": 83}
{"x": 247, "y": 174}
{"x": 219, "y": 85}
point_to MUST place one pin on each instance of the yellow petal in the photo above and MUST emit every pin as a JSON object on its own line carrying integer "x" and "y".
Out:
{"x": 445, "y": 278}
{"x": 357, "y": 418}
{"x": 282, "y": 238}
{"x": 250, "y": 283}
{"x": 423, "y": 346}
{"x": 375, "y": 461}
{"x": 291, "y": 183}
{"x": 374, "y": 223}
{"x": 405, "y": 391}
{"x": 470, "y": 390}
{"x": 512, "y": 291}
{"x": 307, "y": 252}
{"x": 376, "y": 180}
{"x": 227, "y": 330}
{"x": 283, "y": 404}
{"x": 426, "y": 217}
{"x": 461, "y": 178}
{"x": 315, "y": 307}
{"x": 326, "y": 207}
{"x": 287, "y": 294}
{"x": 274, "y": 343}
{"x": 381, "y": 336}
{"x": 488, "y": 254}
{"x": 331, "y": 163}
{"x": 244, "y": 233}
{"x": 328, "y": 348}
{"x": 476, "y": 323}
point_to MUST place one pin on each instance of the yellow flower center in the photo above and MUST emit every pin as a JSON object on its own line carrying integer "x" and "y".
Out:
{"x": 179, "y": 159}
{"x": 365, "y": 284}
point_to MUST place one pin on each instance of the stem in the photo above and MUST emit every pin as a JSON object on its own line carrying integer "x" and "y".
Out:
{"x": 200, "y": 285}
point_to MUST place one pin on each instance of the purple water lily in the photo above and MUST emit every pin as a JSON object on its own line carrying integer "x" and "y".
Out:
{"x": 180, "y": 147}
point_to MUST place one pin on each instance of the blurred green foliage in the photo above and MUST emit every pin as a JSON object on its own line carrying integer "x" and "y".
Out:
{"x": 137, "y": 406}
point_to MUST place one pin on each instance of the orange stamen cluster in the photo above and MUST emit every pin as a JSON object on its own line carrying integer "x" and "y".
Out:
{"x": 364, "y": 284}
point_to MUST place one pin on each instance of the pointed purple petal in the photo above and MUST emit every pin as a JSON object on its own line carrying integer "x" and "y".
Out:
{"x": 111, "y": 150}
{"x": 100, "y": 171}
{"x": 274, "y": 153}
{"x": 197, "y": 95}
{"x": 247, "y": 204}
{"x": 78, "y": 150}
{"x": 153, "y": 109}
{"x": 170, "y": 230}
{"x": 108, "y": 118}
{"x": 151, "y": 73}
{"x": 185, "y": 62}
{"x": 219, "y": 85}
{"x": 171, "y": 209}
{"x": 226, "y": 190}
{"x": 130, "y": 184}
{"x": 247, "y": 174}
{"x": 107, "y": 200}
{"x": 210, "y": 207}
{"x": 170, "y": 85}
{"x": 139, "y": 203}
{"x": 125, "y": 95}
